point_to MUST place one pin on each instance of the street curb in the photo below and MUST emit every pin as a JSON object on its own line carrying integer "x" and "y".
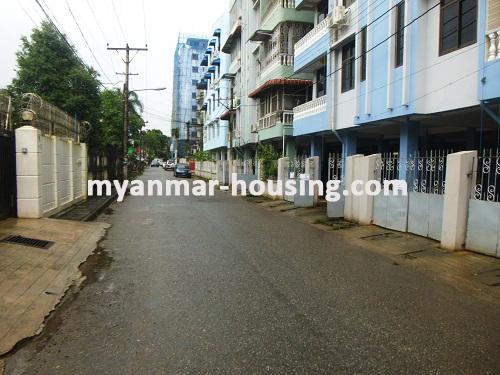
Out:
{"x": 91, "y": 216}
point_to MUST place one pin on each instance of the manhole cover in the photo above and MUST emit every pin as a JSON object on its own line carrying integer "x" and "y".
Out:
{"x": 31, "y": 242}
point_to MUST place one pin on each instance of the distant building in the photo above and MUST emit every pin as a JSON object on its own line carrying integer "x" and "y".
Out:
{"x": 187, "y": 72}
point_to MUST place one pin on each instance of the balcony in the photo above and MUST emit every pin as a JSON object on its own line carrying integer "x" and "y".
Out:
{"x": 312, "y": 36}
{"x": 272, "y": 6}
{"x": 272, "y": 119}
{"x": 306, "y": 4}
{"x": 235, "y": 65}
{"x": 310, "y": 108}
{"x": 493, "y": 45}
{"x": 274, "y": 12}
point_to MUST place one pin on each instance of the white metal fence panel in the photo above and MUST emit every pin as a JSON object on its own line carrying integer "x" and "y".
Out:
{"x": 425, "y": 214}
{"x": 483, "y": 227}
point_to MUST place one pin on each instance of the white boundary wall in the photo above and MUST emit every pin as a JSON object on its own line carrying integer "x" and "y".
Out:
{"x": 51, "y": 173}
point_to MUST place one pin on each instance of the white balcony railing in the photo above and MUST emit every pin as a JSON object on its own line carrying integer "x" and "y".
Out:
{"x": 282, "y": 59}
{"x": 271, "y": 119}
{"x": 310, "y": 108}
{"x": 493, "y": 45}
{"x": 313, "y": 35}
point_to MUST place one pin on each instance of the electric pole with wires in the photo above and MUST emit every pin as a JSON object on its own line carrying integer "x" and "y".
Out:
{"x": 127, "y": 74}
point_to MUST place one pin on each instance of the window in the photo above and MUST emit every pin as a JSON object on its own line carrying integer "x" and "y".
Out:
{"x": 193, "y": 95}
{"x": 321, "y": 82}
{"x": 195, "y": 56}
{"x": 195, "y": 69}
{"x": 348, "y": 67}
{"x": 194, "y": 82}
{"x": 458, "y": 24}
{"x": 194, "y": 108}
{"x": 363, "y": 54}
{"x": 400, "y": 33}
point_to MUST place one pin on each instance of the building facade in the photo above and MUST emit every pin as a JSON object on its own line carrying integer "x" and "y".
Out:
{"x": 186, "y": 132}
{"x": 323, "y": 77}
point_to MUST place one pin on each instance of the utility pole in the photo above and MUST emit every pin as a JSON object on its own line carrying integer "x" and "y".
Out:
{"x": 127, "y": 74}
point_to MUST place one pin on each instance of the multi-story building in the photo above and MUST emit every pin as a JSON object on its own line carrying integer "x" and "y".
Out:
{"x": 275, "y": 88}
{"x": 315, "y": 77}
{"x": 400, "y": 76}
{"x": 186, "y": 132}
{"x": 215, "y": 86}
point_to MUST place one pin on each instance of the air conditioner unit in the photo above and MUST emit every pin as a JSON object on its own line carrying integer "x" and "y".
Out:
{"x": 339, "y": 17}
{"x": 253, "y": 128}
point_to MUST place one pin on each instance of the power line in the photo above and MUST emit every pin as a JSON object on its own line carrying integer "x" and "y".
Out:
{"x": 118, "y": 19}
{"x": 64, "y": 38}
{"x": 85, "y": 40}
{"x": 101, "y": 30}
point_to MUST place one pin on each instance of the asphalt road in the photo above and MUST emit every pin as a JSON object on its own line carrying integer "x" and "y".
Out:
{"x": 218, "y": 285}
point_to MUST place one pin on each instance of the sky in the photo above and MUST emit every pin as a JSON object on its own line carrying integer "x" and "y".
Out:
{"x": 156, "y": 23}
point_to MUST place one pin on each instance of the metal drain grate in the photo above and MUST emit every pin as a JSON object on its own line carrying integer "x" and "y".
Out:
{"x": 31, "y": 242}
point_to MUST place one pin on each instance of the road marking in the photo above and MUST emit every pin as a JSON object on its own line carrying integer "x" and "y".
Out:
{"x": 224, "y": 187}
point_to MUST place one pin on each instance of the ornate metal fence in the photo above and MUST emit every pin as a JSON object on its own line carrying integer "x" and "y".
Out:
{"x": 52, "y": 120}
{"x": 297, "y": 166}
{"x": 335, "y": 167}
{"x": 423, "y": 173}
{"x": 487, "y": 175}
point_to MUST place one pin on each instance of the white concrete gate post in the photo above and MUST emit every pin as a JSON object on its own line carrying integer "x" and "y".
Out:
{"x": 460, "y": 169}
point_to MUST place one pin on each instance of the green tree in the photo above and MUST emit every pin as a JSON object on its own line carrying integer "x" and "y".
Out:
{"x": 48, "y": 67}
{"x": 156, "y": 144}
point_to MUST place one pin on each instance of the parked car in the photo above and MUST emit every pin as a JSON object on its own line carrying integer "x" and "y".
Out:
{"x": 155, "y": 163}
{"x": 182, "y": 170}
{"x": 169, "y": 165}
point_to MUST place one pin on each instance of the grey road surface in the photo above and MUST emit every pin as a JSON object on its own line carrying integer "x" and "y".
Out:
{"x": 220, "y": 286}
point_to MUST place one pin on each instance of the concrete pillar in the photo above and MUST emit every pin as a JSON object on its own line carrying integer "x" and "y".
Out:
{"x": 460, "y": 178}
{"x": 408, "y": 145}
{"x": 349, "y": 170}
{"x": 366, "y": 173}
{"x": 349, "y": 144}
{"x": 316, "y": 146}
{"x": 84, "y": 167}
{"x": 28, "y": 171}
{"x": 290, "y": 149}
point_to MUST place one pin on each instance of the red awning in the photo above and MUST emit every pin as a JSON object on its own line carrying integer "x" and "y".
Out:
{"x": 279, "y": 82}
{"x": 226, "y": 115}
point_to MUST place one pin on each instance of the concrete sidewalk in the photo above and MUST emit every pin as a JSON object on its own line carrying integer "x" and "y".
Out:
{"x": 465, "y": 270}
{"x": 32, "y": 279}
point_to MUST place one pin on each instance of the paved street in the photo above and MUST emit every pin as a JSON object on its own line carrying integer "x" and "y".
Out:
{"x": 218, "y": 285}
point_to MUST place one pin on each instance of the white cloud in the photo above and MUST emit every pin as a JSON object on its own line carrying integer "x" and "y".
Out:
{"x": 164, "y": 21}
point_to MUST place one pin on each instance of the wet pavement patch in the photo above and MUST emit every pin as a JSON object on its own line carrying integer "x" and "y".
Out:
{"x": 489, "y": 277}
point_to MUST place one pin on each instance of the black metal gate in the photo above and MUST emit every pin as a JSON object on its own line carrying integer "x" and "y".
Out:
{"x": 7, "y": 175}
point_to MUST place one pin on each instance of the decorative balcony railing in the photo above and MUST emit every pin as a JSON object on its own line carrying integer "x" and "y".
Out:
{"x": 313, "y": 35}
{"x": 271, "y": 119}
{"x": 493, "y": 45}
{"x": 310, "y": 108}
{"x": 282, "y": 59}
{"x": 272, "y": 5}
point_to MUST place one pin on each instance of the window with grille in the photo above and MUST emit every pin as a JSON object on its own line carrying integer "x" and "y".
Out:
{"x": 458, "y": 25}
{"x": 400, "y": 33}
{"x": 348, "y": 75}
{"x": 363, "y": 54}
